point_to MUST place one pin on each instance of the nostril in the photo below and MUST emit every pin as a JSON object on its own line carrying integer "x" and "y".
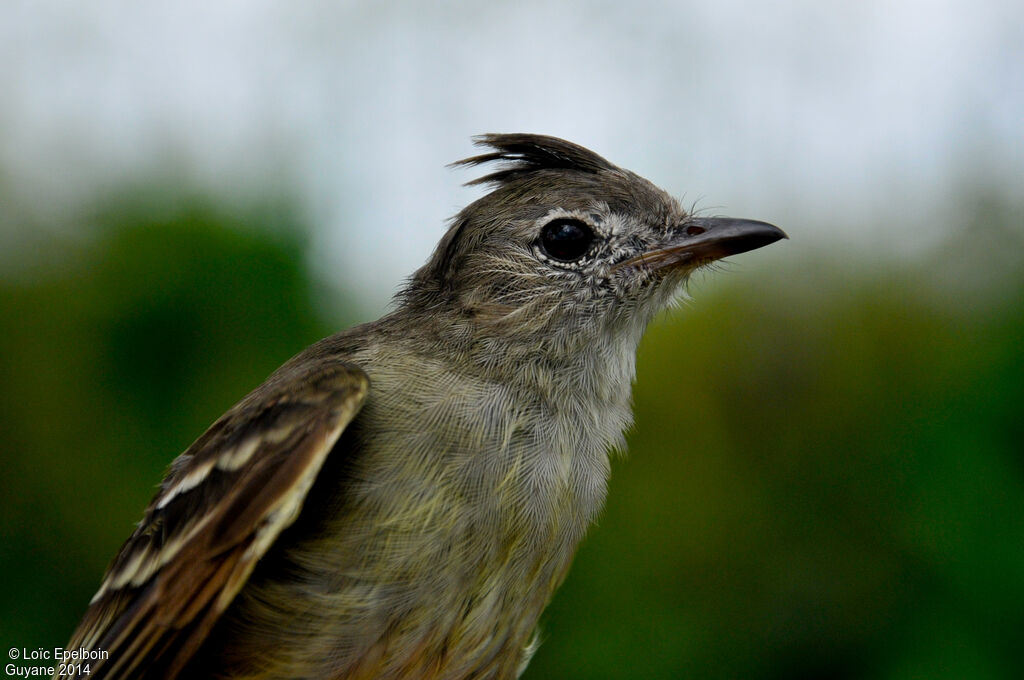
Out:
{"x": 694, "y": 230}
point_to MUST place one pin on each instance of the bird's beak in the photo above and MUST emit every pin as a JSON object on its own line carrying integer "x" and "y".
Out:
{"x": 701, "y": 240}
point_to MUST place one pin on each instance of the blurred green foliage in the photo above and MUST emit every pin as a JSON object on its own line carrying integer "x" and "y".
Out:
{"x": 113, "y": 358}
{"x": 825, "y": 479}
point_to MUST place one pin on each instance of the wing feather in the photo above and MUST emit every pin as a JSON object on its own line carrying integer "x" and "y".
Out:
{"x": 222, "y": 505}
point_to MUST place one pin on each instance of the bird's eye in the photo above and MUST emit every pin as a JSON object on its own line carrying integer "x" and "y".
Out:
{"x": 566, "y": 240}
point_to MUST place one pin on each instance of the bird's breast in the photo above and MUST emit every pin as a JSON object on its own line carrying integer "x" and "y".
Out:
{"x": 449, "y": 523}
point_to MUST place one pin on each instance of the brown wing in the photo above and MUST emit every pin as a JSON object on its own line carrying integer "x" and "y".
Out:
{"x": 221, "y": 506}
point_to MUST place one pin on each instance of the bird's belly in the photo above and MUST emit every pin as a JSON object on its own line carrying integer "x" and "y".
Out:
{"x": 426, "y": 573}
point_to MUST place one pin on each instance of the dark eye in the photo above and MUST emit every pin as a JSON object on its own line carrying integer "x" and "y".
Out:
{"x": 566, "y": 240}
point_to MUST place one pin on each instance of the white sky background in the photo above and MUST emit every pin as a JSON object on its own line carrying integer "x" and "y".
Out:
{"x": 821, "y": 117}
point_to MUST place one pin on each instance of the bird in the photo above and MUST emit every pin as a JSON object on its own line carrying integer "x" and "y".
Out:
{"x": 402, "y": 499}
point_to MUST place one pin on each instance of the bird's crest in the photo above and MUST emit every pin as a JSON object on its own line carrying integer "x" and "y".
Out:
{"x": 523, "y": 154}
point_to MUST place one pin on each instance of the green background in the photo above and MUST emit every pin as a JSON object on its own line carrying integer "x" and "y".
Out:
{"x": 825, "y": 478}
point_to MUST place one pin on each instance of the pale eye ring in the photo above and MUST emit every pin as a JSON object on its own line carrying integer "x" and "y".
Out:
{"x": 566, "y": 239}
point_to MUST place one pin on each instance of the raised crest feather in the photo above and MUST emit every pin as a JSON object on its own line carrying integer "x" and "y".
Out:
{"x": 523, "y": 154}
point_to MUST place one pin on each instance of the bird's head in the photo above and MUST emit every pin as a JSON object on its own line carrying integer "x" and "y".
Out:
{"x": 567, "y": 247}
